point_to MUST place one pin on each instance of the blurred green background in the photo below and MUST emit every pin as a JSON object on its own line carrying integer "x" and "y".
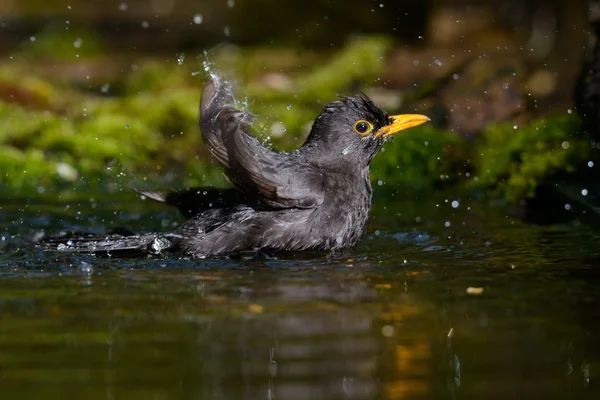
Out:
{"x": 103, "y": 95}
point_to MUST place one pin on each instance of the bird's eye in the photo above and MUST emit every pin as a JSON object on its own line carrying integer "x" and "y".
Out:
{"x": 363, "y": 127}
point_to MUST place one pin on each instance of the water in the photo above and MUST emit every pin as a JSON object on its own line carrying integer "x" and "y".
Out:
{"x": 393, "y": 319}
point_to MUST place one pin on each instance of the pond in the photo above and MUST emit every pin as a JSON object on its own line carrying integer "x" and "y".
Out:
{"x": 448, "y": 297}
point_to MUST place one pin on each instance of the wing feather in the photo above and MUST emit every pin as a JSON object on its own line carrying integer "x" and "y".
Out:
{"x": 278, "y": 179}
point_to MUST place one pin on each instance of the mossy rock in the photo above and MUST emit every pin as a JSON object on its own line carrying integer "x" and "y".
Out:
{"x": 421, "y": 158}
{"x": 513, "y": 160}
{"x": 154, "y": 76}
{"x": 28, "y": 168}
{"x": 361, "y": 61}
{"x": 20, "y": 86}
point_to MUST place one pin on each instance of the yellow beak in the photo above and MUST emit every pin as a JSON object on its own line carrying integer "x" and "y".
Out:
{"x": 402, "y": 122}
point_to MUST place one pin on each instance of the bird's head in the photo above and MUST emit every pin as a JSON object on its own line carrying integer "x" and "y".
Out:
{"x": 354, "y": 129}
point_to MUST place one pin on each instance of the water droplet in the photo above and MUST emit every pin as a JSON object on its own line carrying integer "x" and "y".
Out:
{"x": 447, "y": 224}
{"x": 387, "y": 331}
{"x": 421, "y": 37}
{"x": 586, "y": 374}
{"x": 145, "y": 24}
{"x": 584, "y": 192}
{"x": 381, "y": 5}
{"x": 565, "y": 145}
{"x": 198, "y": 19}
{"x": 123, "y": 6}
{"x": 77, "y": 43}
{"x": 86, "y": 267}
{"x": 180, "y": 58}
{"x": 105, "y": 88}
{"x": 32, "y": 38}
{"x": 230, "y": 3}
{"x": 66, "y": 171}
{"x": 455, "y": 76}
{"x": 590, "y": 164}
{"x": 278, "y": 129}
{"x": 455, "y": 204}
{"x": 380, "y": 183}
{"x": 569, "y": 111}
{"x": 289, "y": 107}
{"x": 567, "y": 206}
{"x": 505, "y": 86}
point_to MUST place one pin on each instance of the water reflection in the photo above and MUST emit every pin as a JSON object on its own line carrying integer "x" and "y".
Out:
{"x": 394, "y": 320}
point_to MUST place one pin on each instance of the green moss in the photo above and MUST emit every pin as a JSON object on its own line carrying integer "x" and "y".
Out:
{"x": 158, "y": 75}
{"x": 420, "y": 158}
{"x": 21, "y": 128}
{"x": 283, "y": 124}
{"x": 61, "y": 42}
{"x": 150, "y": 132}
{"x": 513, "y": 162}
{"x": 169, "y": 112}
{"x": 361, "y": 61}
{"x": 248, "y": 63}
{"x": 25, "y": 168}
{"x": 18, "y": 85}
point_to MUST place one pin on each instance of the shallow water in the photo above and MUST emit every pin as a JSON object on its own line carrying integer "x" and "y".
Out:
{"x": 393, "y": 319}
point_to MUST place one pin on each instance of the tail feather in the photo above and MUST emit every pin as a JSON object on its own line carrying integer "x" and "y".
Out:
{"x": 111, "y": 244}
{"x": 156, "y": 195}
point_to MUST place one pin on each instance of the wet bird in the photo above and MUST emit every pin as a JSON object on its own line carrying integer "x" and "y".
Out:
{"x": 317, "y": 197}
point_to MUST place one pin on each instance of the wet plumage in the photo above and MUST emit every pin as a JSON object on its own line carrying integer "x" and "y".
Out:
{"x": 317, "y": 197}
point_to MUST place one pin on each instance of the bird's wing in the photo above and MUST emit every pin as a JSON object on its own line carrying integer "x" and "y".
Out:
{"x": 278, "y": 179}
{"x": 218, "y": 117}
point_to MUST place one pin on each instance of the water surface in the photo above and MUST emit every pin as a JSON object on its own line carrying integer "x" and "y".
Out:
{"x": 438, "y": 302}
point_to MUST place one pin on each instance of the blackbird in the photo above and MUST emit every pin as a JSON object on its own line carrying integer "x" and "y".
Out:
{"x": 317, "y": 197}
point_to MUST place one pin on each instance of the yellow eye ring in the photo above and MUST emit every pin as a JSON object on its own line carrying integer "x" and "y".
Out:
{"x": 363, "y": 127}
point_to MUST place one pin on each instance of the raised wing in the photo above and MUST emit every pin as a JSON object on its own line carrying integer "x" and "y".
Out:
{"x": 280, "y": 180}
{"x": 218, "y": 117}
